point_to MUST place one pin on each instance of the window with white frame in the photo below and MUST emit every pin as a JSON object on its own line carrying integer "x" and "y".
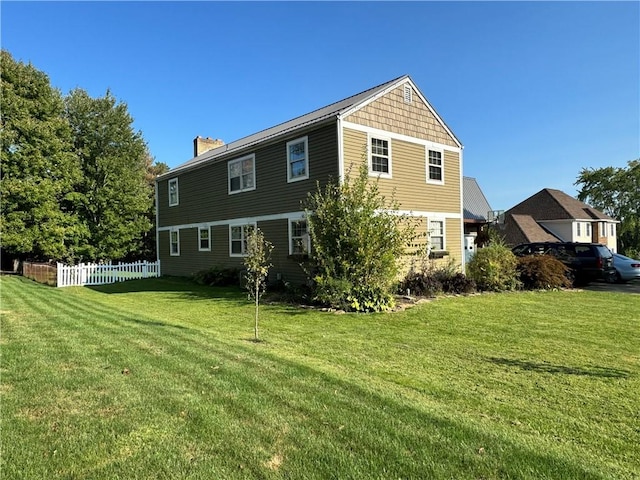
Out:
{"x": 436, "y": 234}
{"x": 434, "y": 166}
{"x": 588, "y": 229}
{"x": 299, "y": 240}
{"x": 173, "y": 192}
{"x": 603, "y": 229}
{"x": 242, "y": 174}
{"x": 380, "y": 157}
{"x": 174, "y": 243}
{"x": 238, "y": 235}
{"x": 298, "y": 159}
{"x": 578, "y": 232}
{"x": 204, "y": 239}
{"x": 612, "y": 229}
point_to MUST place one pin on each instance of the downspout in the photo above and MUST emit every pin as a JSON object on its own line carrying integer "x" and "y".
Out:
{"x": 157, "y": 205}
{"x": 464, "y": 259}
{"x": 340, "y": 149}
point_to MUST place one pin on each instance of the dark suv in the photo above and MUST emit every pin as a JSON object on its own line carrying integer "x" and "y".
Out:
{"x": 587, "y": 261}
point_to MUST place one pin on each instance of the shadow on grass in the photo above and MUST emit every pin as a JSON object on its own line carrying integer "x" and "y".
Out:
{"x": 590, "y": 371}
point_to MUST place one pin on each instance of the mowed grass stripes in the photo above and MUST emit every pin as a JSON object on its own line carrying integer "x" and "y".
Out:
{"x": 159, "y": 378}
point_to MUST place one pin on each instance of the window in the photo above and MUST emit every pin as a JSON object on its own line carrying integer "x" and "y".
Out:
{"x": 588, "y": 229}
{"x": 298, "y": 159}
{"x": 242, "y": 174}
{"x": 238, "y": 239}
{"x": 204, "y": 239}
{"x": 434, "y": 173}
{"x": 613, "y": 229}
{"x": 380, "y": 157}
{"x": 174, "y": 243}
{"x": 603, "y": 229}
{"x": 299, "y": 240}
{"x": 173, "y": 192}
{"x": 578, "y": 229}
{"x": 436, "y": 234}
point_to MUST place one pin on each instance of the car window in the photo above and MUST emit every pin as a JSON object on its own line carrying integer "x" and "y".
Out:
{"x": 604, "y": 251}
{"x": 583, "y": 251}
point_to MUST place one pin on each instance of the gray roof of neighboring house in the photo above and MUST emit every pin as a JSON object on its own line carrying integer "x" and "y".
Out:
{"x": 315, "y": 117}
{"x": 551, "y": 204}
{"x": 474, "y": 202}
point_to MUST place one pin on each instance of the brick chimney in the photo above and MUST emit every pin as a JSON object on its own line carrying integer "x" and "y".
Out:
{"x": 201, "y": 145}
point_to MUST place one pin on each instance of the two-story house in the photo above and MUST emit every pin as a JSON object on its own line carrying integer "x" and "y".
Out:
{"x": 206, "y": 205}
{"x": 553, "y": 216}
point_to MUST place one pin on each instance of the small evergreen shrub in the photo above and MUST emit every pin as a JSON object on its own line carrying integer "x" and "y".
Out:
{"x": 494, "y": 268}
{"x": 218, "y": 277}
{"x": 543, "y": 272}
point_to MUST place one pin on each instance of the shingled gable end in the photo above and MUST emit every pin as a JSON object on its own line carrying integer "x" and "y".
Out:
{"x": 206, "y": 203}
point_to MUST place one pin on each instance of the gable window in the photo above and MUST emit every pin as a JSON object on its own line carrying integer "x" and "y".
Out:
{"x": 204, "y": 239}
{"x": 298, "y": 159}
{"x": 434, "y": 167}
{"x": 173, "y": 192}
{"x": 380, "y": 157}
{"x": 238, "y": 235}
{"x": 174, "y": 243}
{"x": 242, "y": 174}
{"x": 299, "y": 240}
{"x": 436, "y": 234}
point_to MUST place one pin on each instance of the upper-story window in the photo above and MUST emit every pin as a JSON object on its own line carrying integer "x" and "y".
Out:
{"x": 238, "y": 235}
{"x": 299, "y": 240}
{"x": 173, "y": 192}
{"x": 380, "y": 157}
{"x": 242, "y": 174}
{"x": 435, "y": 171}
{"x": 204, "y": 239}
{"x": 298, "y": 159}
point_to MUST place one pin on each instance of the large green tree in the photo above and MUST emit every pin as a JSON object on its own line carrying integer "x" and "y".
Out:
{"x": 39, "y": 170}
{"x": 616, "y": 191}
{"x": 114, "y": 197}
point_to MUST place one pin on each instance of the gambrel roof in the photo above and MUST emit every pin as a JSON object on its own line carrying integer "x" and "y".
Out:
{"x": 328, "y": 113}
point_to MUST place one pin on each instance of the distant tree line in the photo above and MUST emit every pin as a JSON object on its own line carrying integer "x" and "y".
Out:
{"x": 77, "y": 181}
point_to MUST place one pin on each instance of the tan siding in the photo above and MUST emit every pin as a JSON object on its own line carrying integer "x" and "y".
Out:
{"x": 409, "y": 177}
{"x": 392, "y": 114}
{"x": 203, "y": 193}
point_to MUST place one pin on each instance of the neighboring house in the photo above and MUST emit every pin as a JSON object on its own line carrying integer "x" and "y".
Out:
{"x": 207, "y": 205}
{"x": 475, "y": 206}
{"x": 553, "y": 216}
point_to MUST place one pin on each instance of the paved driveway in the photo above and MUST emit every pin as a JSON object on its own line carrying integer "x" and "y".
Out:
{"x": 632, "y": 287}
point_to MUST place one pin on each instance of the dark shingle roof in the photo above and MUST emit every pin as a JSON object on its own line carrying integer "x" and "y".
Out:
{"x": 524, "y": 229}
{"x": 551, "y": 204}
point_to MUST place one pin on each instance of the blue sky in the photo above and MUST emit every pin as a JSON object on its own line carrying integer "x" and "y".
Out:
{"x": 535, "y": 91}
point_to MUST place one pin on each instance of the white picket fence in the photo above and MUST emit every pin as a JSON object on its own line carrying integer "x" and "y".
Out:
{"x": 102, "y": 274}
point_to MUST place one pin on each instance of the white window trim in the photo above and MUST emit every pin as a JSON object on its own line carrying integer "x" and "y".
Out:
{"x": 200, "y": 249}
{"x": 578, "y": 229}
{"x": 308, "y": 237}
{"x": 240, "y": 160}
{"x": 370, "y": 154}
{"x": 304, "y": 140}
{"x": 441, "y": 151}
{"x": 177, "y": 202}
{"x": 177, "y": 232}
{"x": 231, "y": 225}
{"x": 444, "y": 233}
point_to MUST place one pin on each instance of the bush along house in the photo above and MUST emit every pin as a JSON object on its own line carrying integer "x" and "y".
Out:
{"x": 206, "y": 206}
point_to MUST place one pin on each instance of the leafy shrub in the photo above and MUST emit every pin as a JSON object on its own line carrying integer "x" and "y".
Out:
{"x": 421, "y": 284}
{"x": 493, "y": 268}
{"x": 543, "y": 272}
{"x": 458, "y": 283}
{"x": 218, "y": 277}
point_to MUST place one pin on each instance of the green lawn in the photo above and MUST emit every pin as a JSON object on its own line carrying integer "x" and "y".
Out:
{"x": 159, "y": 378}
